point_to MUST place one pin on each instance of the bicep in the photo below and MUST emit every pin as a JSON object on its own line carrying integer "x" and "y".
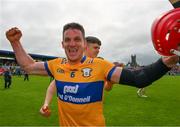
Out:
{"x": 38, "y": 68}
{"x": 116, "y": 75}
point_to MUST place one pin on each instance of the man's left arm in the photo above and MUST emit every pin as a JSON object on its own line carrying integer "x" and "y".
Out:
{"x": 146, "y": 75}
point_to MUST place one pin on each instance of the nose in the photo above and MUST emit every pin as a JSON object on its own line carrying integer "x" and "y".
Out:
{"x": 72, "y": 43}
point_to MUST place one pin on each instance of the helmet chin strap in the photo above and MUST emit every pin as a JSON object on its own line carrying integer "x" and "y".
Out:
{"x": 175, "y": 52}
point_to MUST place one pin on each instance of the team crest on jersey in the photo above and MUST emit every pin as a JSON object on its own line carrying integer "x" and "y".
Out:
{"x": 64, "y": 61}
{"x": 59, "y": 70}
{"x": 86, "y": 72}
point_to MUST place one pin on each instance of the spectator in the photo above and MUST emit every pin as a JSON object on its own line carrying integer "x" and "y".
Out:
{"x": 26, "y": 76}
{"x": 7, "y": 79}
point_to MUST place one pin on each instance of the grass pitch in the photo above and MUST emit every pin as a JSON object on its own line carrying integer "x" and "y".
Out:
{"x": 19, "y": 105}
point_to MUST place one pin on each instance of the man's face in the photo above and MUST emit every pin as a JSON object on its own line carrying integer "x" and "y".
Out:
{"x": 92, "y": 50}
{"x": 73, "y": 44}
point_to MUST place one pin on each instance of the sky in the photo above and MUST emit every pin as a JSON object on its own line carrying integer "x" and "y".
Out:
{"x": 123, "y": 26}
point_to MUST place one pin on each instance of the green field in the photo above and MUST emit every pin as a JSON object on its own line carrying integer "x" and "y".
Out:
{"x": 19, "y": 105}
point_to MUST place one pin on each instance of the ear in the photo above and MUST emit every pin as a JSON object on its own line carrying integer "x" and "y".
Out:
{"x": 62, "y": 44}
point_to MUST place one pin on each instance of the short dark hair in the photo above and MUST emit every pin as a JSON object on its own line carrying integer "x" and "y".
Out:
{"x": 93, "y": 40}
{"x": 74, "y": 25}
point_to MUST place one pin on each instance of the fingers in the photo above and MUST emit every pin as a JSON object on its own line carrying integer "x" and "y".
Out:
{"x": 13, "y": 34}
{"x": 13, "y": 31}
{"x": 45, "y": 111}
{"x": 171, "y": 61}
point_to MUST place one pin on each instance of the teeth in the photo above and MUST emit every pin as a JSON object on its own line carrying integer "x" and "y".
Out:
{"x": 73, "y": 50}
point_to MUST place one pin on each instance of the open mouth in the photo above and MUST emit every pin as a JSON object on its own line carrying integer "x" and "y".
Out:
{"x": 73, "y": 51}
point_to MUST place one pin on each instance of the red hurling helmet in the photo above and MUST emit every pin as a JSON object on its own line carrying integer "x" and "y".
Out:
{"x": 165, "y": 32}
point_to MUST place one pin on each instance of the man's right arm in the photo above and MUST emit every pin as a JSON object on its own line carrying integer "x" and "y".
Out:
{"x": 24, "y": 60}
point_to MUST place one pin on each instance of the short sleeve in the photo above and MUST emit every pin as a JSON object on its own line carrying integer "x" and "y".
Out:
{"x": 51, "y": 65}
{"x": 108, "y": 68}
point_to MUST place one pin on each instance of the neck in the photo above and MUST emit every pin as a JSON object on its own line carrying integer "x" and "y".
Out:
{"x": 71, "y": 62}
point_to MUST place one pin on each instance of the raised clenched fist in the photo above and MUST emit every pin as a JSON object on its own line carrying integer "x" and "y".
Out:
{"x": 13, "y": 35}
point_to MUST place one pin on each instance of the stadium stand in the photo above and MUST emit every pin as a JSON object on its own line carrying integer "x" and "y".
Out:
{"x": 7, "y": 60}
{"x": 10, "y": 54}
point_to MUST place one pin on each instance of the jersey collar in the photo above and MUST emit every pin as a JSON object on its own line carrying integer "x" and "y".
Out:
{"x": 83, "y": 59}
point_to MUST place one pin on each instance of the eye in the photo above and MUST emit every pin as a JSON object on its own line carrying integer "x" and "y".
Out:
{"x": 67, "y": 39}
{"x": 77, "y": 39}
{"x": 97, "y": 47}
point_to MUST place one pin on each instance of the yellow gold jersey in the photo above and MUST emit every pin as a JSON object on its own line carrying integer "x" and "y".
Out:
{"x": 80, "y": 90}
